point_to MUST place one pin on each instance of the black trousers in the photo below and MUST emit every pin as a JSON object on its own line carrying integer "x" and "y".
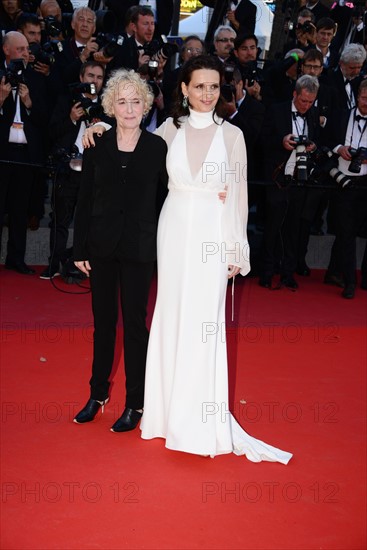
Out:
{"x": 64, "y": 198}
{"x": 15, "y": 191}
{"x": 350, "y": 211}
{"x": 112, "y": 280}
{"x": 282, "y": 224}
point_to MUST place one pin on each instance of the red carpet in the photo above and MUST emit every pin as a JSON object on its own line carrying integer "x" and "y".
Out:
{"x": 298, "y": 381}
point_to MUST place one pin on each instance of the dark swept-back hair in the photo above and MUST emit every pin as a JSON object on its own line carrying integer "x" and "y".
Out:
{"x": 195, "y": 64}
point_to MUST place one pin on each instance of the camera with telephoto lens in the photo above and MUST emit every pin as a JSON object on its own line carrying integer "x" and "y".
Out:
{"x": 324, "y": 164}
{"x": 358, "y": 156}
{"x": 109, "y": 43}
{"x": 91, "y": 109}
{"x": 14, "y": 73}
{"x": 228, "y": 89}
{"x": 301, "y": 172}
{"x": 160, "y": 48}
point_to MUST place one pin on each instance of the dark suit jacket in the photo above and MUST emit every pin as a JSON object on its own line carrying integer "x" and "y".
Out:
{"x": 245, "y": 14}
{"x": 278, "y": 123}
{"x": 127, "y": 56}
{"x": 117, "y": 209}
{"x": 335, "y": 79}
{"x": 68, "y": 62}
{"x": 35, "y": 120}
{"x": 320, "y": 10}
{"x": 250, "y": 119}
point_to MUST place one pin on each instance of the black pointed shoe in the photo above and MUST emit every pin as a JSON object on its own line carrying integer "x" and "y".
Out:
{"x": 90, "y": 410}
{"x": 127, "y": 421}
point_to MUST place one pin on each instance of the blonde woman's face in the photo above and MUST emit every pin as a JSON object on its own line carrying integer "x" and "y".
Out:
{"x": 128, "y": 106}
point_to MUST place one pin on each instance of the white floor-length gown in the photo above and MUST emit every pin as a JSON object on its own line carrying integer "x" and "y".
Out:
{"x": 186, "y": 388}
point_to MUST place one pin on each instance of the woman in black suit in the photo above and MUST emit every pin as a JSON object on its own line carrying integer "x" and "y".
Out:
{"x": 123, "y": 183}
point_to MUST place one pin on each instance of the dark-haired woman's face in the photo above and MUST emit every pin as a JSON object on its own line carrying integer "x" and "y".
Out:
{"x": 203, "y": 90}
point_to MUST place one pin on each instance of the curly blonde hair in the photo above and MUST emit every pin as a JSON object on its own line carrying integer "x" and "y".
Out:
{"x": 123, "y": 77}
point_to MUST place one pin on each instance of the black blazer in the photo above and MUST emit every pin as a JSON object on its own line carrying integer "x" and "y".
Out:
{"x": 335, "y": 79}
{"x": 245, "y": 14}
{"x": 117, "y": 209}
{"x": 249, "y": 119}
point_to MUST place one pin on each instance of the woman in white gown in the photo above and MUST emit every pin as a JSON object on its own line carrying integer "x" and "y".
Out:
{"x": 201, "y": 243}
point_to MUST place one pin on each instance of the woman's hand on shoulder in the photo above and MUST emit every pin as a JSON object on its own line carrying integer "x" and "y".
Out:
{"x": 88, "y": 138}
{"x": 84, "y": 266}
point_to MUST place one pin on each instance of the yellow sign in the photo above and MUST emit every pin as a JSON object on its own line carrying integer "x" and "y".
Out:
{"x": 190, "y": 6}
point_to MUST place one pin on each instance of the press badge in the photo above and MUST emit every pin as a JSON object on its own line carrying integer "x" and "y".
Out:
{"x": 16, "y": 134}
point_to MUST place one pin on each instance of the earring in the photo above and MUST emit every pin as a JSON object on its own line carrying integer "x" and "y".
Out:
{"x": 185, "y": 102}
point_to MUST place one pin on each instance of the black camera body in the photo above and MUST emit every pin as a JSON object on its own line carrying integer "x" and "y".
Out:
{"x": 109, "y": 43}
{"x": 228, "y": 89}
{"x": 43, "y": 54}
{"x": 14, "y": 73}
{"x": 307, "y": 27}
{"x": 301, "y": 140}
{"x": 249, "y": 73}
{"x": 53, "y": 27}
{"x": 160, "y": 48}
{"x": 91, "y": 109}
{"x": 358, "y": 156}
{"x": 301, "y": 168}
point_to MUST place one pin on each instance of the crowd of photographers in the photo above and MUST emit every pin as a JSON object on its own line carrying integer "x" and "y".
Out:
{"x": 303, "y": 116}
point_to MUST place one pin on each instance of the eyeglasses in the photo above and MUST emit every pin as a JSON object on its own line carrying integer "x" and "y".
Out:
{"x": 194, "y": 50}
{"x": 225, "y": 40}
{"x": 309, "y": 66}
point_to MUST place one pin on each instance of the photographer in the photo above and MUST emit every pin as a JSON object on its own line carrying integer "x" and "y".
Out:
{"x": 280, "y": 79}
{"x": 72, "y": 114}
{"x": 23, "y": 119}
{"x": 349, "y": 201}
{"x": 151, "y": 72}
{"x": 82, "y": 47}
{"x": 303, "y": 34}
{"x": 224, "y": 38}
{"x": 50, "y": 17}
{"x": 290, "y": 132}
{"x": 245, "y": 52}
{"x": 346, "y": 78}
{"x": 135, "y": 50}
{"x": 325, "y": 32}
